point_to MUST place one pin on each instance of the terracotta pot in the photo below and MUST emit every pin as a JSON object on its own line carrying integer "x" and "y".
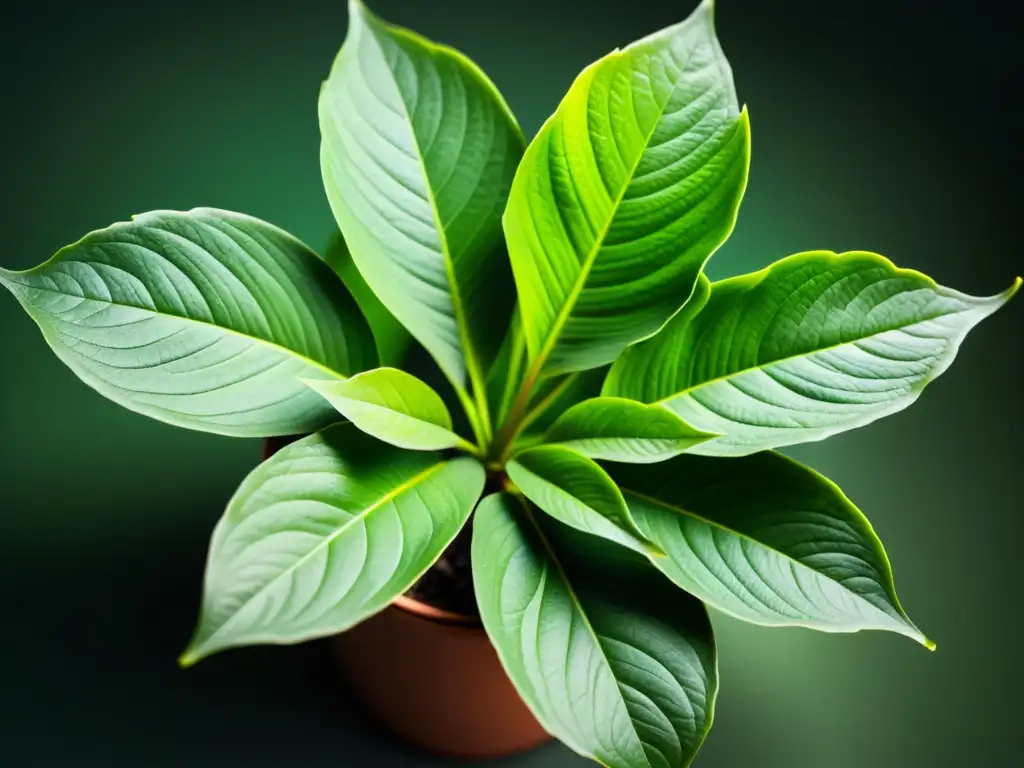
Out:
{"x": 434, "y": 679}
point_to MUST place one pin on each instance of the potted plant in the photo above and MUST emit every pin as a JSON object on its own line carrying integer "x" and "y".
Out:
{"x": 516, "y": 440}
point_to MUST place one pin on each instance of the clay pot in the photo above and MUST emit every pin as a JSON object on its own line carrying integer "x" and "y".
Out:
{"x": 434, "y": 680}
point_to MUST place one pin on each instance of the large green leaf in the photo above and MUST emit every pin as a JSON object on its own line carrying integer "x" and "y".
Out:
{"x": 573, "y": 489}
{"x": 326, "y": 533}
{"x": 767, "y": 540}
{"x": 392, "y": 339}
{"x": 611, "y": 658}
{"x": 813, "y": 345}
{"x": 204, "y": 319}
{"x": 624, "y": 194}
{"x": 393, "y": 406}
{"x": 418, "y": 151}
{"x": 616, "y": 429}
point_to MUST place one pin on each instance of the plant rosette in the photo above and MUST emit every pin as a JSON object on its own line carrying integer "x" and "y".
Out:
{"x": 516, "y": 342}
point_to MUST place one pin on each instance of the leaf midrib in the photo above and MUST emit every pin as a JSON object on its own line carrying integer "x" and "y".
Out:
{"x": 159, "y": 313}
{"x": 458, "y": 307}
{"x": 740, "y": 535}
{"x": 327, "y": 540}
{"x": 789, "y": 358}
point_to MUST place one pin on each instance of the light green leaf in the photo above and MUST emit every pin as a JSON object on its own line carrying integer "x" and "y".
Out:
{"x": 418, "y": 151}
{"x": 573, "y": 489}
{"x": 624, "y": 194}
{"x": 393, "y": 406}
{"x": 392, "y": 339}
{"x": 204, "y": 319}
{"x": 767, "y": 540}
{"x": 616, "y": 429}
{"x": 815, "y": 344}
{"x": 326, "y": 533}
{"x": 611, "y": 658}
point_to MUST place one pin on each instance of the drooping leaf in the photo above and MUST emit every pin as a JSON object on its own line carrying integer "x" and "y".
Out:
{"x": 767, "y": 540}
{"x": 325, "y": 533}
{"x": 204, "y": 319}
{"x": 624, "y": 194}
{"x": 616, "y": 429}
{"x": 418, "y": 151}
{"x": 393, "y": 406}
{"x": 611, "y": 658}
{"x": 815, "y": 344}
{"x": 573, "y": 489}
{"x": 392, "y": 339}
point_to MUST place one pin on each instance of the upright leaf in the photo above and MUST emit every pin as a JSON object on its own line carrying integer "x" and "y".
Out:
{"x": 815, "y": 344}
{"x": 609, "y": 656}
{"x": 325, "y": 533}
{"x": 767, "y": 540}
{"x": 393, "y": 406}
{"x": 573, "y": 489}
{"x": 392, "y": 339}
{"x": 624, "y": 194}
{"x": 204, "y": 319}
{"x": 418, "y": 151}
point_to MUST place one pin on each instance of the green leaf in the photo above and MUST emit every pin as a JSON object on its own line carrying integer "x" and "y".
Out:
{"x": 573, "y": 489}
{"x": 418, "y": 151}
{"x": 505, "y": 375}
{"x": 767, "y": 540}
{"x": 815, "y": 344}
{"x": 610, "y": 657}
{"x": 624, "y": 194}
{"x": 616, "y": 429}
{"x": 392, "y": 339}
{"x": 204, "y": 319}
{"x": 326, "y": 533}
{"x": 393, "y": 406}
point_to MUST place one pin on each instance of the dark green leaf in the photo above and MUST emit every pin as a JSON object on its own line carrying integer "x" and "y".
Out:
{"x": 767, "y": 540}
{"x": 326, "y": 533}
{"x": 609, "y": 656}
{"x": 205, "y": 319}
{"x": 815, "y": 344}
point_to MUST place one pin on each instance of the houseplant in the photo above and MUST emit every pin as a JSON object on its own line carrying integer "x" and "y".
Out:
{"x": 658, "y": 371}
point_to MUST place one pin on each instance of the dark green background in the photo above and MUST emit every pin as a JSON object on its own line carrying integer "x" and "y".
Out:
{"x": 875, "y": 126}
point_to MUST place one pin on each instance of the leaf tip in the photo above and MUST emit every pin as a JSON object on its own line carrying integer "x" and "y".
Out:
{"x": 188, "y": 658}
{"x": 929, "y": 644}
{"x": 1012, "y": 290}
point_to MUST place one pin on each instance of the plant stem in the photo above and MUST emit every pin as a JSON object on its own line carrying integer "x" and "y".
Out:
{"x": 513, "y": 422}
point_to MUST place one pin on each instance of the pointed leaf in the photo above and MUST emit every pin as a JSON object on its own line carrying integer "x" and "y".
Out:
{"x": 767, "y": 540}
{"x": 815, "y": 344}
{"x": 418, "y": 150}
{"x": 326, "y": 533}
{"x": 573, "y": 489}
{"x": 204, "y": 319}
{"x": 393, "y": 406}
{"x": 616, "y": 429}
{"x": 624, "y": 194}
{"x": 392, "y": 339}
{"x": 609, "y": 656}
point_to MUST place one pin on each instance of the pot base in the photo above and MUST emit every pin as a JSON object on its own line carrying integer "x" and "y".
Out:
{"x": 437, "y": 686}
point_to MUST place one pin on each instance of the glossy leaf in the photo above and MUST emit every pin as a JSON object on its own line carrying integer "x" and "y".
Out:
{"x": 767, "y": 540}
{"x": 418, "y": 151}
{"x": 815, "y": 344}
{"x": 611, "y": 658}
{"x": 624, "y": 194}
{"x": 204, "y": 319}
{"x": 573, "y": 489}
{"x": 392, "y": 339}
{"x": 325, "y": 533}
{"x": 393, "y": 406}
{"x": 616, "y": 429}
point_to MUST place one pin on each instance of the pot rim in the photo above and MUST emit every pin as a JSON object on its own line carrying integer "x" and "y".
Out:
{"x": 428, "y": 612}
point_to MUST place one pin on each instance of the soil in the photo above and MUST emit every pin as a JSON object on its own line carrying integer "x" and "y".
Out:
{"x": 448, "y": 585}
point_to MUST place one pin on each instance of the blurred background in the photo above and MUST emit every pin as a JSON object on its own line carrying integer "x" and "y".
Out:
{"x": 882, "y": 128}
